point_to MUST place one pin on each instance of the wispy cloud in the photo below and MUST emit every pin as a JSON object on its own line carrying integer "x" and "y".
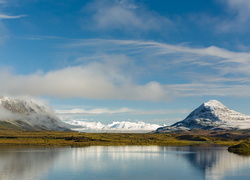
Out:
{"x": 4, "y": 31}
{"x": 211, "y": 71}
{"x": 4, "y": 16}
{"x": 203, "y": 71}
{"x": 123, "y": 15}
{"x": 239, "y": 16}
{"x": 234, "y": 17}
{"x": 96, "y": 111}
{"x": 210, "y": 89}
{"x": 124, "y": 110}
{"x": 220, "y": 60}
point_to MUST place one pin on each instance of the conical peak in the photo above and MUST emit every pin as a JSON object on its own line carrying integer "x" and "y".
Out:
{"x": 211, "y": 115}
{"x": 213, "y": 103}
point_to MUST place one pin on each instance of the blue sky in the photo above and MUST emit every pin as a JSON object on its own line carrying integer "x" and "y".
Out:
{"x": 117, "y": 60}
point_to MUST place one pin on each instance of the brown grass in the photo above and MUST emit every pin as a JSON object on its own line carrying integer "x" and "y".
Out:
{"x": 55, "y": 138}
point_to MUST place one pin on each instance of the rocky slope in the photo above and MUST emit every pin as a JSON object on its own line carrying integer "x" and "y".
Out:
{"x": 211, "y": 115}
{"x": 27, "y": 115}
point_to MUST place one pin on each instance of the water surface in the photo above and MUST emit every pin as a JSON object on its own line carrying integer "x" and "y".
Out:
{"x": 123, "y": 163}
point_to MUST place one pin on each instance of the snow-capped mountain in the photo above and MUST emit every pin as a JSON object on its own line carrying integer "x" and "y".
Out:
{"x": 124, "y": 126}
{"x": 25, "y": 114}
{"x": 211, "y": 115}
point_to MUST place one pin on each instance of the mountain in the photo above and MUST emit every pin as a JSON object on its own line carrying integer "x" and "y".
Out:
{"x": 211, "y": 115}
{"x": 124, "y": 126}
{"x": 26, "y": 115}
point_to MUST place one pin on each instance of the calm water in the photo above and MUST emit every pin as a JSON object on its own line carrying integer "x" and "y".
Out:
{"x": 123, "y": 163}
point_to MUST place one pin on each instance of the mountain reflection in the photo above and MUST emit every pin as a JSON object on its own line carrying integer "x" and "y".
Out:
{"x": 25, "y": 163}
{"x": 215, "y": 162}
{"x": 122, "y": 162}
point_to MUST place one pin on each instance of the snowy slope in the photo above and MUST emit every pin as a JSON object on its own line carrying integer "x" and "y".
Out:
{"x": 211, "y": 115}
{"x": 124, "y": 126}
{"x": 28, "y": 115}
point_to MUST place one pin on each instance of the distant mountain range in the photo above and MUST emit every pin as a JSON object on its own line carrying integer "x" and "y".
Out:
{"x": 123, "y": 126}
{"x": 211, "y": 115}
{"x": 24, "y": 114}
{"x": 27, "y": 115}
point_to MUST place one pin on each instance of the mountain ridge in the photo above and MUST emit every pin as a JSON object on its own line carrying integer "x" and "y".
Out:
{"x": 211, "y": 115}
{"x": 117, "y": 126}
{"x": 24, "y": 114}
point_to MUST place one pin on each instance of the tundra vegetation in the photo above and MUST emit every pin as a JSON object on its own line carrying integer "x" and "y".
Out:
{"x": 10, "y": 136}
{"x": 242, "y": 148}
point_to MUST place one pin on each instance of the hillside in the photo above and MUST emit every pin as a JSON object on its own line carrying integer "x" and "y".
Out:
{"x": 21, "y": 114}
{"x": 211, "y": 115}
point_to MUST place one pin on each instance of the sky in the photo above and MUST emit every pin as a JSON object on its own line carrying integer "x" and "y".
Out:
{"x": 126, "y": 60}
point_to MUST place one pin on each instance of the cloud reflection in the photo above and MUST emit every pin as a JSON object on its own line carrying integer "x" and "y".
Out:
{"x": 122, "y": 162}
{"x": 25, "y": 163}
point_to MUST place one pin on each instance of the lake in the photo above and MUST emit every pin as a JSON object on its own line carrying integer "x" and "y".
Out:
{"x": 123, "y": 163}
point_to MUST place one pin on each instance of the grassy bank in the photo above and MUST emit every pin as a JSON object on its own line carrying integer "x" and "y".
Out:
{"x": 76, "y": 139}
{"x": 242, "y": 148}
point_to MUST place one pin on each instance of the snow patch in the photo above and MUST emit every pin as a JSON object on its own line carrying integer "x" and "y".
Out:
{"x": 24, "y": 111}
{"x": 211, "y": 115}
{"x": 114, "y": 126}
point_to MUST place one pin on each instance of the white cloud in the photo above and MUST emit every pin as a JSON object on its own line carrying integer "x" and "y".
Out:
{"x": 217, "y": 59}
{"x": 209, "y": 71}
{"x": 96, "y": 111}
{"x": 4, "y": 16}
{"x": 124, "y": 110}
{"x": 124, "y": 15}
{"x": 203, "y": 71}
{"x": 98, "y": 80}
